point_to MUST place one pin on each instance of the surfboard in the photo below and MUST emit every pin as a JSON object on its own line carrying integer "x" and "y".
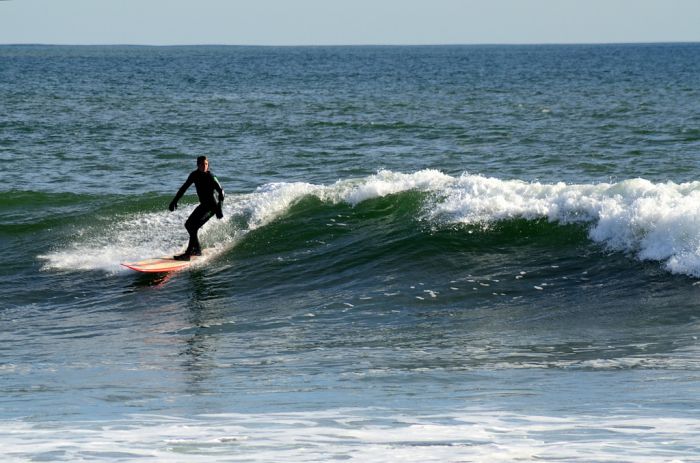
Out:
{"x": 159, "y": 264}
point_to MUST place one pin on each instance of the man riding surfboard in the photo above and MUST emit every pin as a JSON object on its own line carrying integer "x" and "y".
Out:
{"x": 206, "y": 184}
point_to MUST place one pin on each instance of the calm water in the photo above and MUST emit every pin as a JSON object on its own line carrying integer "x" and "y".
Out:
{"x": 428, "y": 254}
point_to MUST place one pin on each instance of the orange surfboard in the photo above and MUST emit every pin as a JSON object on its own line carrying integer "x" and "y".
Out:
{"x": 159, "y": 265}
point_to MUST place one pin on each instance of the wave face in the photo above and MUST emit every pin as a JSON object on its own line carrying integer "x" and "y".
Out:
{"x": 644, "y": 220}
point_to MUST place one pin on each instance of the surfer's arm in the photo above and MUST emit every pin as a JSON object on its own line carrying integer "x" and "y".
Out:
{"x": 180, "y": 192}
{"x": 219, "y": 189}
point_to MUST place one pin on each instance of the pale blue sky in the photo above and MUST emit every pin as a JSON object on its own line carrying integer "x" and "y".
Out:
{"x": 333, "y": 22}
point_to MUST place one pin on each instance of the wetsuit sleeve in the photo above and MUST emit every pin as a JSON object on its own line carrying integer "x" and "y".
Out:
{"x": 218, "y": 188}
{"x": 219, "y": 205}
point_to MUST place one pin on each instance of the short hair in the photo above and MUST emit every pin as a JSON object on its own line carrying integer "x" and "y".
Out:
{"x": 200, "y": 160}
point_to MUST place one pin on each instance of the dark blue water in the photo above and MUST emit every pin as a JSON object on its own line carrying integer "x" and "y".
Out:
{"x": 428, "y": 253}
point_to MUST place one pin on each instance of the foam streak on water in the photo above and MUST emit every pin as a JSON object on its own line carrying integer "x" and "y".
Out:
{"x": 362, "y": 436}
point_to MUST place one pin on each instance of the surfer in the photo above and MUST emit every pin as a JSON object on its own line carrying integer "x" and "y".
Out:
{"x": 206, "y": 184}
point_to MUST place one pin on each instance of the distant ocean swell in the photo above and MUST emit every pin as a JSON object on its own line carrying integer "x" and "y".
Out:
{"x": 648, "y": 221}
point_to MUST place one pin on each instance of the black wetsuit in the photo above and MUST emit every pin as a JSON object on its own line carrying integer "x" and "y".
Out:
{"x": 206, "y": 184}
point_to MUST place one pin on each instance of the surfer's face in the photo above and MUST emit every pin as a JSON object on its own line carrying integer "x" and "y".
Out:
{"x": 204, "y": 166}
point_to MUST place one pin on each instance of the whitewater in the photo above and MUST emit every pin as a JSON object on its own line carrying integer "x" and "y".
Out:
{"x": 657, "y": 222}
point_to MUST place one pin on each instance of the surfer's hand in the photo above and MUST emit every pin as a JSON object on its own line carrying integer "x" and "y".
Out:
{"x": 173, "y": 206}
{"x": 219, "y": 213}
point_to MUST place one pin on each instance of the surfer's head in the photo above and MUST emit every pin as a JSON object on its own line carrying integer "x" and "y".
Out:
{"x": 203, "y": 163}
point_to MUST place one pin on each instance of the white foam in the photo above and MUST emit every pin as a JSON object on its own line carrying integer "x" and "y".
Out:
{"x": 386, "y": 183}
{"x": 145, "y": 235}
{"x": 658, "y": 222}
{"x": 127, "y": 238}
{"x": 653, "y": 221}
{"x": 358, "y": 435}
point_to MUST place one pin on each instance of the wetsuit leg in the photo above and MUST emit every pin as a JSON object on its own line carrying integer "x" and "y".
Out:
{"x": 196, "y": 220}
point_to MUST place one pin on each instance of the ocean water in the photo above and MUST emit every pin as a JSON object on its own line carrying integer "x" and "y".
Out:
{"x": 457, "y": 253}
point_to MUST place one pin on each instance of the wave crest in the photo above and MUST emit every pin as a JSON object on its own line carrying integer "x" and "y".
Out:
{"x": 652, "y": 221}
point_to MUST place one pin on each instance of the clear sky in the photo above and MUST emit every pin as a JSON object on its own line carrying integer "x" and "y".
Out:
{"x": 334, "y": 22}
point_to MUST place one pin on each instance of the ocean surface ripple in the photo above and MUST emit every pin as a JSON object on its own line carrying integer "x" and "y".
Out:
{"x": 450, "y": 253}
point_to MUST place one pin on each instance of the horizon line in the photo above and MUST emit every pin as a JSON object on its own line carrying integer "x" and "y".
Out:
{"x": 40, "y": 44}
